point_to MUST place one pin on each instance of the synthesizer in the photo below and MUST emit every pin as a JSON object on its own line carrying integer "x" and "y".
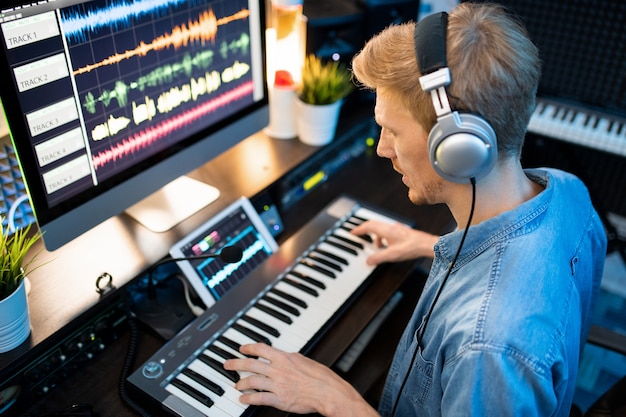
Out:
{"x": 287, "y": 302}
{"x": 579, "y": 125}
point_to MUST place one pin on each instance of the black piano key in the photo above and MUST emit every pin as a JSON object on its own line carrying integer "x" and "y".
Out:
{"x": 366, "y": 238}
{"x": 541, "y": 107}
{"x": 219, "y": 367}
{"x": 556, "y": 111}
{"x": 221, "y": 352}
{"x": 332, "y": 256}
{"x": 308, "y": 279}
{"x": 359, "y": 218}
{"x": 318, "y": 268}
{"x": 301, "y": 287}
{"x": 205, "y": 382}
{"x": 352, "y": 222}
{"x": 191, "y": 391}
{"x": 252, "y": 334}
{"x": 324, "y": 261}
{"x": 274, "y": 313}
{"x": 341, "y": 246}
{"x": 290, "y": 298}
{"x": 260, "y": 325}
{"x": 348, "y": 241}
{"x": 229, "y": 342}
{"x": 232, "y": 344}
{"x": 283, "y": 306}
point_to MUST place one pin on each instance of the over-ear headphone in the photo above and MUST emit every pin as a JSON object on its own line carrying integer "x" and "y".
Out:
{"x": 461, "y": 146}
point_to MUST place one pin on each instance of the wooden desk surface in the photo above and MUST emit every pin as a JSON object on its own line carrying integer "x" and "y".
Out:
{"x": 65, "y": 288}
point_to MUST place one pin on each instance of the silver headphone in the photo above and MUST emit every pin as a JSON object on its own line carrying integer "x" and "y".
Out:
{"x": 461, "y": 146}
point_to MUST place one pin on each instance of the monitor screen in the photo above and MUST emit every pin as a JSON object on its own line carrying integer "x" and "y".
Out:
{"x": 107, "y": 101}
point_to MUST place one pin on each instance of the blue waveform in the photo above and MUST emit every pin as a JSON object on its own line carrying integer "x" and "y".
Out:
{"x": 118, "y": 14}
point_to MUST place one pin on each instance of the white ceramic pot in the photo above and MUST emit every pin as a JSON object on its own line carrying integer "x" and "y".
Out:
{"x": 14, "y": 319}
{"x": 316, "y": 124}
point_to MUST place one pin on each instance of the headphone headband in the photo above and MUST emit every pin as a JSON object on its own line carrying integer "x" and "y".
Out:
{"x": 429, "y": 39}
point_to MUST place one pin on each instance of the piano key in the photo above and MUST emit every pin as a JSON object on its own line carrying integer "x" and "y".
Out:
{"x": 280, "y": 304}
{"x": 582, "y": 127}
{"x": 272, "y": 331}
{"x": 231, "y": 394}
{"x": 324, "y": 261}
{"x": 252, "y": 334}
{"x": 289, "y": 297}
{"x": 202, "y": 380}
{"x": 337, "y": 243}
{"x": 302, "y": 287}
{"x": 193, "y": 402}
{"x": 310, "y": 263}
{"x": 209, "y": 359}
{"x": 331, "y": 255}
{"x": 222, "y": 403}
{"x": 215, "y": 348}
{"x": 275, "y": 313}
{"x": 307, "y": 278}
{"x": 295, "y": 330}
{"x": 192, "y": 392}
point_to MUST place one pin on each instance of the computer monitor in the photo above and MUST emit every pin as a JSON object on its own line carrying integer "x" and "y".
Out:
{"x": 112, "y": 101}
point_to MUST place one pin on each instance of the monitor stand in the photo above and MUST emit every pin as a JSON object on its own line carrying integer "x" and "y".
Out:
{"x": 173, "y": 203}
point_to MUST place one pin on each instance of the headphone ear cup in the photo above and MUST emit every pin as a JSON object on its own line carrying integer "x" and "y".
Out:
{"x": 462, "y": 146}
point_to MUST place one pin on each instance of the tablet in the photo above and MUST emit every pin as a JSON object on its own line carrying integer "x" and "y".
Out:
{"x": 237, "y": 225}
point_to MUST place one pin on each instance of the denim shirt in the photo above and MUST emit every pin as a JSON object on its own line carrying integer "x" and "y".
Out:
{"x": 506, "y": 333}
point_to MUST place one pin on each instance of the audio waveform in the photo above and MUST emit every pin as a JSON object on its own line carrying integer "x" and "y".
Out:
{"x": 202, "y": 30}
{"x": 171, "y": 99}
{"x": 117, "y": 15}
{"x": 151, "y": 135}
{"x": 111, "y": 127}
{"x": 157, "y": 77}
{"x": 223, "y": 274}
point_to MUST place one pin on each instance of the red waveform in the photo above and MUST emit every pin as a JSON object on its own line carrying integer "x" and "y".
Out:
{"x": 147, "y": 137}
{"x": 204, "y": 29}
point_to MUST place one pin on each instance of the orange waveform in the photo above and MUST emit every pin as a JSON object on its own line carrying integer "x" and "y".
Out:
{"x": 203, "y": 30}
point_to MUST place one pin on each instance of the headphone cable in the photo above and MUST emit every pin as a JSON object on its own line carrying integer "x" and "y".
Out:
{"x": 439, "y": 290}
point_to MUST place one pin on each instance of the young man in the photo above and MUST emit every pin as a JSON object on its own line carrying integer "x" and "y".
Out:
{"x": 500, "y": 325}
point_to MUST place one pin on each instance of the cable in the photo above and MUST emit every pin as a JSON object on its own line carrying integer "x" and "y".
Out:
{"x": 439, "y": 290}
{"x": 195, "y": 309}
{"x": 129, "y": 360}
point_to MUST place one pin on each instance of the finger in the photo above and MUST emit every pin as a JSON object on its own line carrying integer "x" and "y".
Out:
{"x": 253, "y": 382}
{"x": 259, "y": 398}
{"x": 370, "y": 226}
{"x": 259, "y": 349}
{"x": 246, "y": 365}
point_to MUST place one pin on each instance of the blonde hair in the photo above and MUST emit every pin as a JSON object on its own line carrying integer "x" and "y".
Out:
{"x": 495, "y": 70}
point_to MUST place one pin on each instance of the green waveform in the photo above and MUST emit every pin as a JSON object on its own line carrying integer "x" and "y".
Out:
{"x": 243, "y": 44}
{"x": 159, "y": 76}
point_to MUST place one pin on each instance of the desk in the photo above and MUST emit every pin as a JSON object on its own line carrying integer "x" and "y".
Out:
{"x": 255, "y": 166}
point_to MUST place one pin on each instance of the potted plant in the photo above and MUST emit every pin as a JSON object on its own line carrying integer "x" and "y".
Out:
{"x": 14, "y": 267}
{"x": 321, "y": 92}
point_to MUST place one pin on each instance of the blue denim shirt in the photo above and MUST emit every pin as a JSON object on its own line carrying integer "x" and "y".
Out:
{"x": 505, "y": 335}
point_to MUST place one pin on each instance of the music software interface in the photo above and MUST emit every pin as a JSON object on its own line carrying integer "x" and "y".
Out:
{"x": 106, "y": 84}
{"x": 236, "y": 229}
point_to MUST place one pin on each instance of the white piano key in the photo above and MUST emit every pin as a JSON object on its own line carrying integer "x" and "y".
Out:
{"x": 298, "y": 335}
{"x": 189, "y": 400}
{"x": 230, "y": 393}
{"x": 223, "y": 403}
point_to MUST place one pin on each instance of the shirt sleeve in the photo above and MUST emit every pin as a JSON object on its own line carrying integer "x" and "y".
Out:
{"x": 496, "y": 382}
